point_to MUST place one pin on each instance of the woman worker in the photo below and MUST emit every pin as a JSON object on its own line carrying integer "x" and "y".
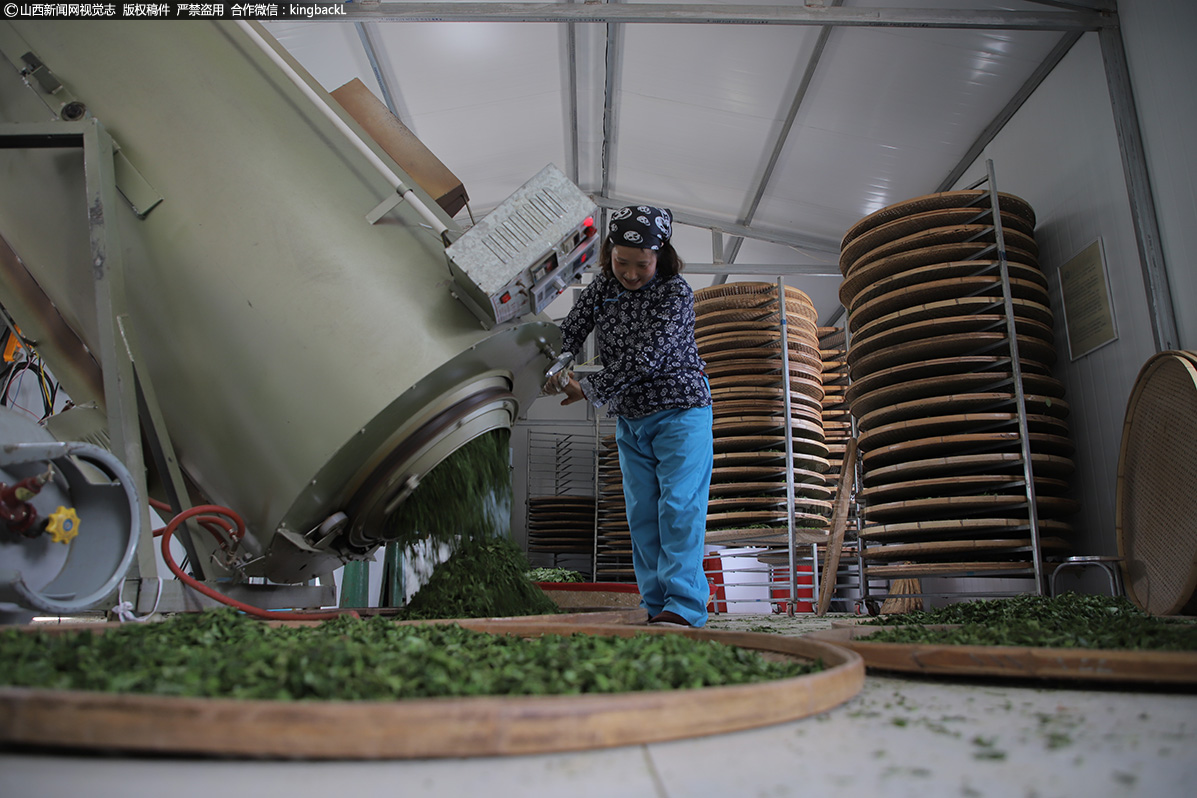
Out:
{"x": 652, "y": 380}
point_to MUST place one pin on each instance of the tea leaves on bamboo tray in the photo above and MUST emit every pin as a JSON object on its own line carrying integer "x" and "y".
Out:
{"x": 222, "y": 654}
{"x": 1069, "y": 620}
{"x": 556, "y": 575}
{"x": 483, "y": 578}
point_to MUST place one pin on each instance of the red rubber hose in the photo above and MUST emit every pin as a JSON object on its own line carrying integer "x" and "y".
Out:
{"x": 223, "y": 516}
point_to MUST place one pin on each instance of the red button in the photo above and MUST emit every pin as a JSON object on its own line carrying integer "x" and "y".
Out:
{"x": 503, "y": 300}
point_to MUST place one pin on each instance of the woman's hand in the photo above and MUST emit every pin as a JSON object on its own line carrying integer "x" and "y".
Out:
{"x": 573, "y": 391}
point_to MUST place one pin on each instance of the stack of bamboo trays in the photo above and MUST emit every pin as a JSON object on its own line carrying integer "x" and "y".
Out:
{"x": 738, "y": 331}
{"x": 561, "y": 524}
{"x": 614, "y": 545}
{"x": 932, "y": 389}
{"x": 837, "y": 427}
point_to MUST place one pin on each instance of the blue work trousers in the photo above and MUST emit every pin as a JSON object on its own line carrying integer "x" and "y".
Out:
{"x": 666, "y": 461}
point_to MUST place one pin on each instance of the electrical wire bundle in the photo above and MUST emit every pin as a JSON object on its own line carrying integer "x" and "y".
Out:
{"x": 21, "y": 361}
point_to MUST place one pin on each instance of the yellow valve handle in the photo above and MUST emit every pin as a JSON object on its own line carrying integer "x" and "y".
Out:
{"x": 63, "y": 525}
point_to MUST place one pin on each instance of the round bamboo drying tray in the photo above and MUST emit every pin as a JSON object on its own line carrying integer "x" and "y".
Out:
{"x": 858, "y": 292}
{"x": 750, "y": 305}
{"x": 943, "y": 446}
{"x": 903, "y": 262}
{"x": 960, "y": 529}
{"x": 974, "y": 198}
{"x": 749, "y": 473}
{"x": 752, "y": 290}
{"x": 929, "y": 379}
{"x": 1010, "y": 483}
{"x": 743, "y": 407}
{"x": 984, "y": 291}
{"x": 916, "y": 428}
{"x": 807, "y": 389}
{"x": 805, "y": 450}
{"x": 776, "y": 487}
{"x": 962, "y": 402}
{"x": 766, "y": 504}
{"x": 765, "y": 536}
{"x": 1156, "y": 503}
{"x": 934, "y": 237}
{"x": 773, "y": 457}
{"x": 746, "y": 320}
{"x": 767, "y": 357}
{"x": 424, "y": 728}
{"x": 732, "y": 426}
{"x": 1017, "y": 662}
{"x": 903, "y": 227}
{"x": 931, "y": 551}
{"x": 1001, "y": 504}
{"x": 801, "y": 339}
{"x": 970, "y": 568}
{"x": 948, "y": 328}
{"x": 759, "y": 368}
{"x": 1033, "y": 350}
{"x": 1049, "y": 465}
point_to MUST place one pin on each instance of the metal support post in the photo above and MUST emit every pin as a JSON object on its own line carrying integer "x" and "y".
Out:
{"x": 598, "y": 454}
{"x": 1016, "y": 369}
{"x": 789, "y": 431}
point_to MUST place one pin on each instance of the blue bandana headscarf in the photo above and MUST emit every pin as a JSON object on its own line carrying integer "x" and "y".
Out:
{"x": 641, "y": 226}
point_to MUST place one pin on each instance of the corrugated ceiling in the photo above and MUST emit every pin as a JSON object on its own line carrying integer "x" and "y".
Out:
{"x": 752, "y": 121}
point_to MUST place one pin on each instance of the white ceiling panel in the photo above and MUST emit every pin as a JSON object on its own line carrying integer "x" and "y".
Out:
{"x": 728, "y": 69}
{"x": 712, "y": 119}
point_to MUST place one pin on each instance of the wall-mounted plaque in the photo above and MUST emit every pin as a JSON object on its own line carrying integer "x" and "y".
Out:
{"x": 1088, "y": 311}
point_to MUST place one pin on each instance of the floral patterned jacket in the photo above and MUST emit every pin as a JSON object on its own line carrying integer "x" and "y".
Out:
{"x": 646, "y": 344}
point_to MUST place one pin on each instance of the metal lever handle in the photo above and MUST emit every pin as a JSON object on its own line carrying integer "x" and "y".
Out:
{"x": 557, "y": 375}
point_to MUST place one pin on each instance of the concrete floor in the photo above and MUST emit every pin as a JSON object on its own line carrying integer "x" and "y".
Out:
{"x": 898, "y": 737}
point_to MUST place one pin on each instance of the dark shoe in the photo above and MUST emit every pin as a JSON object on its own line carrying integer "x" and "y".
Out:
{"x": 668, "y": 618}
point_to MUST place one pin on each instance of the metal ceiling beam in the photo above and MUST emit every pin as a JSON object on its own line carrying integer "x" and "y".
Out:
{"x": 719, "y": 14}
{"x": 1138, "y": 186}
{"x": 817, "y": 246}
{"x": 571, "y": 57}
{"x": 1007, "y": 113}
{"x": 372, "y": 56}
{"x": 783, "y": 135}
{"x": 614, "y": 58}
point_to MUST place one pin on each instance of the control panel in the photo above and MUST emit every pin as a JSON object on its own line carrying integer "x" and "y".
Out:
{"x": 529, "y": 249}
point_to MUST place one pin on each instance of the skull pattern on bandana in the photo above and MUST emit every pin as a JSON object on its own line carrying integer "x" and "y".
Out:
{"x": 641, "y": 226}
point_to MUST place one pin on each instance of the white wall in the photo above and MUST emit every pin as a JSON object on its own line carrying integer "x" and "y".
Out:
{"x": 1158, "y": 35}
{"x": 1060, "y": 152}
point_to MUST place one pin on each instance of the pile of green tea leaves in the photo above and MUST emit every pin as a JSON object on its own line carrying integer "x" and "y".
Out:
{"x": 464, "y": 504}
{"x": 1069, "y": 620}
{"x": 554, "y": 575}
{"x": 224, "y": 654}
{"x": 468, "y": 494}
{"x": 483, "y": 578}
